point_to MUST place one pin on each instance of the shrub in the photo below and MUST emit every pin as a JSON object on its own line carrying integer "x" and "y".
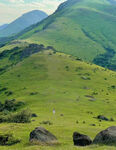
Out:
{"x": 10, "y": 105}
{"x": 50, "y": 53}
{"x": 21, "y": 117}
{"x": 112, "y": 119}
{"x": 78, "y": 69}
{"x": 67, "y": 68}
{"x": 46, "y": 122}
{"x": 79, "y": 59}
{"x": 8, "y": 93}
{"x": 8, "y": 139}
{"x": 3, "y": 89}
{"x": 3, "y": 118}
{"x": 1, "y": 107}
{"x": 94, "y": 93}
{"x": 33, "y": 93}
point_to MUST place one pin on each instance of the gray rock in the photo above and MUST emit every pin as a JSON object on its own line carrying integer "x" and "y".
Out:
{"x": 33, "y": 115}
{"x": 81, "y": 140}
{"x": 101, "y": 117}
{"x": 42, "y": 136}
{"x": 107, "y": 136}
{"x": 93, "y": 125}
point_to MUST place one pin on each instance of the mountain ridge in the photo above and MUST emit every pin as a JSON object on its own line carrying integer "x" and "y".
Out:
{"x": 81, "y": 15}
{"x": 74, "y": 29}
{"x": 23, "y": 22}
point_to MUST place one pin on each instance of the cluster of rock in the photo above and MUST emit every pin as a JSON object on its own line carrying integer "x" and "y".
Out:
{"x": 101, "y": 117}
{"x": 43, "y": 136}
{"x": 107, "y": 137}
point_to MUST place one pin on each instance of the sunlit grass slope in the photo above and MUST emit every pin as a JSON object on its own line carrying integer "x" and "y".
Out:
{"x": 81, "y": 28}
{"x": 61, "y": 82}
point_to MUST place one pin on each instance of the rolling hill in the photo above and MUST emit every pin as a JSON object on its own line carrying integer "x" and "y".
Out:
{"x": 23, "y": 22}
{"x": 42, "y": 68}
{"x": 45, "y": 79}
{"x": 82, "y": 28}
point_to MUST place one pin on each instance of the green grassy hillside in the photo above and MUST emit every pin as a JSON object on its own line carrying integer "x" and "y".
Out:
{"x": 78, "y": 90}
{"x": 81, "y": 28}
{"x": 51, "y": 74}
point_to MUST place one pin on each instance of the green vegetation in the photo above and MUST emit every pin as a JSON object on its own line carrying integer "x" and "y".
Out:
{"x": 81, "y": 28}
{"x": 21, "y": 117}
{"x": 16, "y": 54}
{"x": 78, "y": 91}
{"x": 35, "y": 71}
{"x": 10, "y": 105}
{"x": 8, "y": 139}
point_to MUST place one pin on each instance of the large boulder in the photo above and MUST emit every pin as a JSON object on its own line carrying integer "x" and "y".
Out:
{"x": 81, "y": 140}
{"x": 42, "y": 136}
{"x": 107, "y": 136}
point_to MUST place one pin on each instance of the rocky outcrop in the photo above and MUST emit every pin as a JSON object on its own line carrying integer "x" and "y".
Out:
{"x": 107, "y": 136}
{"x": 81, "y": 140}
{"x": 42, "y": 136}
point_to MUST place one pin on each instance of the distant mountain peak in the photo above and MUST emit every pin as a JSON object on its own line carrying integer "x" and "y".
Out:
{"x": 23, "y": 22}
{"x": 35, "y": 12}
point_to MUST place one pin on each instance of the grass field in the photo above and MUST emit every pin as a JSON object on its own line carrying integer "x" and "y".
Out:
{"x": 59, "y": 82}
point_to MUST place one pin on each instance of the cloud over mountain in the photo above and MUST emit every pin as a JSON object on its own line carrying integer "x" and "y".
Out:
{"x": 11, "y": 9}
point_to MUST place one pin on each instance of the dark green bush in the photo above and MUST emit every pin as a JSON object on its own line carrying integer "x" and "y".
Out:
{"x": 10, "y": 105}
{"x": 67, "y": 68}
{"x": 3, "y": 118}
{"x": 21, "y": 117}
{"x": 78, "y": 69}
{"x": 8, "y": 93}
{"x": 8, "y": 139}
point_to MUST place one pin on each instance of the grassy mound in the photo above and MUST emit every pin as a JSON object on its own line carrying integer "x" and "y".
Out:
{"x": 78, "y": 91}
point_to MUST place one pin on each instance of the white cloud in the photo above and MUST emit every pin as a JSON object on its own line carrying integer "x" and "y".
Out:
{"x": 48, "y": 6}
{"x": 16, "y": 1}
{"x": 9, "y": 12}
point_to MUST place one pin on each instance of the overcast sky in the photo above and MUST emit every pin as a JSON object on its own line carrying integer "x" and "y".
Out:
{"x": 11, "y": 9}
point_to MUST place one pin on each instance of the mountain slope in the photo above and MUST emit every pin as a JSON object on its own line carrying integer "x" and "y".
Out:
{"x": 23, "y": 22}
{"x": 3, "y": 26}
{"x": 82, "y": 28}
{"x": 45, "y": 80}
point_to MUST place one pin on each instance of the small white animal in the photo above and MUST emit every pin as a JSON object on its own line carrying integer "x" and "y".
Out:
{"x": 54, "y": 111}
